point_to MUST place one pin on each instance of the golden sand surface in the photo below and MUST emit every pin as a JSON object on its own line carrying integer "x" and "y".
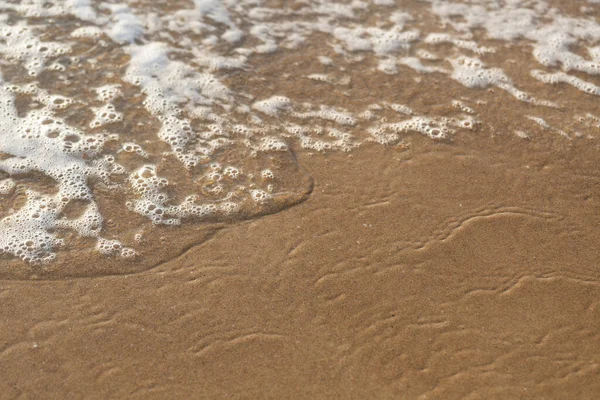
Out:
{"x": 442, "y": 271}
{"x": 456, "y": 267}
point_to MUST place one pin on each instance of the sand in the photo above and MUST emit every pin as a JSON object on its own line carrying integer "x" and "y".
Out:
{"x": 335, "y": 298}
{"x": 460, "y": 268}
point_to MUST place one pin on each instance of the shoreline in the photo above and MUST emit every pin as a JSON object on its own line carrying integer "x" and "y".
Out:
{"x": 323, "y": 300}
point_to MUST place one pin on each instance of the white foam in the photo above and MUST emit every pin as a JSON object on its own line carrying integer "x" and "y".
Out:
{"x": 124, "y": 26}
{"x": 401, "y": 108}
{"x": 178, "y": 60}
{"x": 167, "y": 85}
{"x": 545, "y": 125}
{"x": 473, "y": 73}
{"x": 325, "y": 60}
{"x": 435, "y": 38}
{"x": 388, "y": 133}
{"x": 339, "y": 116}
{"x": 81, "y": 9}
{"x": 87, "y": 32}
{"x": 463, "y": 107}
{"x": 417, "y": 65}
{"x": 108, "y": 92}
{"x": 131, "y": 147}
{"x": 105, "y": 115}
{"x": 7, "y": 186}
{"x": 20, "y": 44}
{"x": 552, "y": 34}
{"x": 320, "y": 78}
{"x": 152, "y": 199}
{"x": 40, "y": 141}
{"x": 561, "y": 77}
{"x": 273, "y": 105}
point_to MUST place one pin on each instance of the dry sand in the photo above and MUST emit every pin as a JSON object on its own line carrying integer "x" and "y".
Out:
{"x": 448, "y": 270}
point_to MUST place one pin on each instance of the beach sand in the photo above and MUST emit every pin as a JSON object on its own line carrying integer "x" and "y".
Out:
{"x": 455, "y": 266}
{"x": 445, "y": 270}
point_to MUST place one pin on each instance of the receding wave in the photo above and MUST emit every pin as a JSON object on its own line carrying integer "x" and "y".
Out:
{"x": 133, "y": 130}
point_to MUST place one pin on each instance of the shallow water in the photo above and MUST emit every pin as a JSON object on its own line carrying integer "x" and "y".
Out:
{"x": 122, "y": 120}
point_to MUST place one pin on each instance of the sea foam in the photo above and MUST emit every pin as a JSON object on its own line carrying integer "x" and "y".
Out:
{"x": 104, "y": 97}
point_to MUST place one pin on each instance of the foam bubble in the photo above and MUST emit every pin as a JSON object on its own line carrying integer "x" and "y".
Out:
{"x": 87, "y": 32}
{"x": 182, "y": 121}
{"x": 7, "y": 186}
{"x": 473, "y": 73}
{"x": 20, "y": 44}
{"x": 273, "y": 105}
{"x": 561, "y": 77}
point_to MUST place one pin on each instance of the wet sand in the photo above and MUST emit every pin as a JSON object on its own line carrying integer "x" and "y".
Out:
{"x": 466, "y": 269}
{"x": 458, "y": 266}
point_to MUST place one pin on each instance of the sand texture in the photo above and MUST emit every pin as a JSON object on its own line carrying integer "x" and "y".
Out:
{"x": 303, "y": 200}
{"x": 443, "y": 272}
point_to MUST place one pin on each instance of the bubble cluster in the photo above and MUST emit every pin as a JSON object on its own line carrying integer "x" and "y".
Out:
{"x": 561, "y": 77}
{"x": 87, "y": 32}
{"x": 260, "y": 196}
{"x": 437, "y": 38}
{"x": 105, "y": 115}
{"x": 114, "y": 247}
{"x": 554, "y": 35}
{"x": 24, "y": 234}
{"x": 169, "y": 112}
{"x": 131, "y": 147}
{"x": 7, "y": 186}
{"x": 273, "y": 105}
{"x": 473, "y": 73}
{"x": 108, "y": 93}
{"x": 20, "y": 44}
{"x": 388, "y": 133}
